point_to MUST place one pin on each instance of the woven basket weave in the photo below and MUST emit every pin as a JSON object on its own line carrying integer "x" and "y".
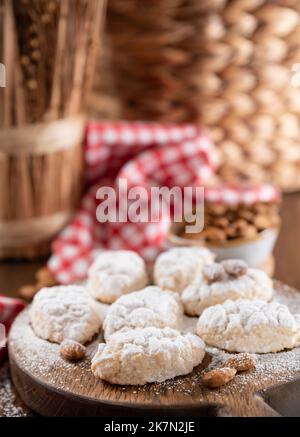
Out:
{"x": 228, "y": 64}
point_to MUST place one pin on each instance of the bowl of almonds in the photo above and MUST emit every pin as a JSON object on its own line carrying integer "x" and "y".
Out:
{"x": 239, "y": 223}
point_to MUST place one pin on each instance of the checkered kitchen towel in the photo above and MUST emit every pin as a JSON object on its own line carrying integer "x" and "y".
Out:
{"x": 145, "y": 154}
{"x": 239, "y": 194}
{"x": 9, "y": 309}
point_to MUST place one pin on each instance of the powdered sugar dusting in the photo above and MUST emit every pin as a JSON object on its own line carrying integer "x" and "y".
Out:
{"x": 283, "y": 366}
{"x": 64, "y": 312}
{"x": 148, "y": 307}
{"x": 42, "y": 359}
{"x": 38, "y": 356}
{"x": 141, "y": 355}
{"x": 254, "y": 284}
{"x": 10, "y": 406}
{"x": 178, "y": 267}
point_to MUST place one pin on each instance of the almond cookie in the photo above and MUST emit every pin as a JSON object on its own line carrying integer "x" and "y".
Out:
{"x": 252, "y": 326}
{"x": 139, "y": 356}
{"x": 115, "y": 273}
{"x": 177, "y": 268}
{"x": 229, "y": 280}
{"x": 149, "y": 307}
{"x": 65, "y": 312}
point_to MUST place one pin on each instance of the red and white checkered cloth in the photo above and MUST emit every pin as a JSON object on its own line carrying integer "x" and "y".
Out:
{"x": 247, "y": 195}
{"x": 9, "y": 309}
{"x": 145, "y": 154}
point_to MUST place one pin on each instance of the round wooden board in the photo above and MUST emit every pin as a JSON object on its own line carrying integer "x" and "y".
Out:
{"x": 53, "y": 387}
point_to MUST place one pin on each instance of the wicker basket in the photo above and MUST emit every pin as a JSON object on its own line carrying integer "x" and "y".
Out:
{"x": 226, "y": 63}
{"x": 40, "y": 179}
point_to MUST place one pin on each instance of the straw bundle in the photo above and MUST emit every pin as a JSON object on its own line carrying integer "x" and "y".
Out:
{"x": 225, "y": 63}
{"x": 49, "y": 49}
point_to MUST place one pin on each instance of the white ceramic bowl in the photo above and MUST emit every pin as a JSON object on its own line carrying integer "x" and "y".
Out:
{"x": 255, "y": 252}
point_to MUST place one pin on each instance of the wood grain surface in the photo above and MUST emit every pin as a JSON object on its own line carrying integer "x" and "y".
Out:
{"x": 52, "y": 387}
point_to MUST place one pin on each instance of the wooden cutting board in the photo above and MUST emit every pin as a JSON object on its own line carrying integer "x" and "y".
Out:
{"x": 51, "y": 386}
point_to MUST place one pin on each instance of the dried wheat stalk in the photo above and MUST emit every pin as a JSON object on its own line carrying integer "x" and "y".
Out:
{"x": 49, "y": 48}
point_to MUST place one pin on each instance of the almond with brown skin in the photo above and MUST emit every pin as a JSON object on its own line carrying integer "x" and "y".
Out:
{"x": 262, "y": 222}
{"x": 218, "y": 377}
{"x": 217, "y": 209}
{"x": 246, "y": 214}
{"x": 71, "y": 350}
{"x": 232, "y": 231}
{"x": 214, "y": 234}
{"x": 249, "y": 232}
{"x": 221, "y": 222}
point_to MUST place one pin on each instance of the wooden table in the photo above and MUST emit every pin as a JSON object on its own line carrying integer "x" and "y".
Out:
{"x": 15, "y": 274}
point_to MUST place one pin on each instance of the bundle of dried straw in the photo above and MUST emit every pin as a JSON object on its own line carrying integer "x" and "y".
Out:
{"x": 49, "y": 49}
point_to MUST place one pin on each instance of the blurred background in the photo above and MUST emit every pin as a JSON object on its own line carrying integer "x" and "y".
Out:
{"x": 229, "y": 65}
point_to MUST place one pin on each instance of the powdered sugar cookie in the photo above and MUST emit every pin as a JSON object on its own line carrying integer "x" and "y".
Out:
{"x": 149, "y": 307}
{"x": 65, "y": 312}
{"x": 115, "y": 273}
{"x": 229, "y": 280}
{"x": 178, "y": 267}
{"x": 139, "y": 356}
{"x": 251, "y": 326}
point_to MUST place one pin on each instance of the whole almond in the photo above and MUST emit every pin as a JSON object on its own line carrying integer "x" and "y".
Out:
{"x": 218, "y": 377}
{"x": 221, "y": 222}
{"x": 262, "y": 221}
{"x": 241, "y": 224}
{"x": 249, "y": 232}
{"x": 232, "y": 231}
{"x": 214, "y": 234}
{"x": 71, "y": 350}
{"x": 246, "y": 214}
{"x": 241, "y": 362}
{"x": 217, "y": 209}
